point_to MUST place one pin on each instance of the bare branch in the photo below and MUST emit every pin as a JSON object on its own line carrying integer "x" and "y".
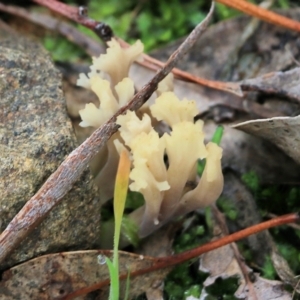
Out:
{"x": 90, "y": 46}
{"x": 76, "y": 14}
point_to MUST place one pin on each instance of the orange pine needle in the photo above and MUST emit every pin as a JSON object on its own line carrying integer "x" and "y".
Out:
{"x": 261, "y": 13}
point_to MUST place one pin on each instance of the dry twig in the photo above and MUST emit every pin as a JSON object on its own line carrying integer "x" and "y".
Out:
{"x": 90, "y": 46}
{"x": 262, "y": 13}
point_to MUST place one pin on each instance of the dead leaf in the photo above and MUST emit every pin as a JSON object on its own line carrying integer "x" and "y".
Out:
{"x": 284, "y": 132}
{"x": 286, "y": 84}
{"x": 282, "y": 268}
{"x": 54, "y": 276}
{"x": 221, "y": 263}
{"x": 265, "y": 290}
{"x": 226, "y": 262}
{"x": 243, "y": 153}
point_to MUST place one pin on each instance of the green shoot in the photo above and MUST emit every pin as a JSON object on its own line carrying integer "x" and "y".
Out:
{"x": 217, "y": 137}
{"x": 127, "y": 286}
{"x": 120, "y": 195}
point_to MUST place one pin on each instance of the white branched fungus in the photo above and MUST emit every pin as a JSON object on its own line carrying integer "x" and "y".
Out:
{"x": 113, "y": 94}
{"x": 168, "y": 108}
{"x": 149, "y": 173}
{"x": 117, "y": 61}
{"x": 184, "y": 146}
{"x": 131, "y": 126}
{"x": 210, "y": 185}
{"x": 94, "y": 117}
{"x": 164, "y": 188}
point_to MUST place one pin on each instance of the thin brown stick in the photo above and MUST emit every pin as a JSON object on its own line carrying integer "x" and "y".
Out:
{"x": 261, "y": 13}
{"x": 169, "y": 261}
{"x": 62, "y": 180}
{"x": 155, "y": 64}
{"x": 74, "y": 13}
{"x": 70, "y": 12}
{"x": 90, "y": 46}
{"x": 293, "y": 225}
{"x": 286, "y": 219}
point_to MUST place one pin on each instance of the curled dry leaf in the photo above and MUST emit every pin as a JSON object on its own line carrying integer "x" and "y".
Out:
{"x": 226, "y": 262}
{"x": 243, "y": 152}
{"x": 55, "y": 276}
{"x": 284, "y": 132}
{"x": 285, "y": 84}
{"x": 221, "y": 263}
{"x": 265, "y": 290}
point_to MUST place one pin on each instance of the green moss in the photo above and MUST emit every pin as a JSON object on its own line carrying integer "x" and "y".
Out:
{"x": 268, "y": 270}
{"x": 224, "y": 12}
{"x": 165, "y": 24}
{"x": 151, "y": 21}
{"x": 227, "y": 208}
{"x": 291, "y": 254}
{"x": 194, "y": 290}
{"x": 134, "y": 200}
{"x": 192, "y": 236}
{"x": 183, "y": 281}
{"x": 285, "y": 4}
{"x": 63, "y": 50}
{"x": 223, "y": 288}
{"x": 251, "y": 180}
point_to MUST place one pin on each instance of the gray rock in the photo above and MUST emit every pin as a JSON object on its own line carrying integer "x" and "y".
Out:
{"x": 35, "y": 137}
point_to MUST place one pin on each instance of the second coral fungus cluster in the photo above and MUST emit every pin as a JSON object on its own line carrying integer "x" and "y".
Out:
{"x": 163, "y": 187}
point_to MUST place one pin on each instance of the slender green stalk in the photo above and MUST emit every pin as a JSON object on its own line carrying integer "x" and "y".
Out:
{"x": 120, "y": 194}
{"x": 218, "y": 135}
{"x": 114, "y": 280}
{"x": 127, "y": 286}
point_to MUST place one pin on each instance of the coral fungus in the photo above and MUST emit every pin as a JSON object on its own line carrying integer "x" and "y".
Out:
{"x": 164, "y": 188}
{"x": 112, "y": 94}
